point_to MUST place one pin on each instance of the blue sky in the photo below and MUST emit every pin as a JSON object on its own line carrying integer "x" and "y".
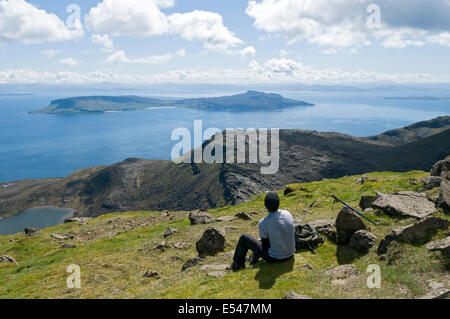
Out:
{"x": 199, "y": 41}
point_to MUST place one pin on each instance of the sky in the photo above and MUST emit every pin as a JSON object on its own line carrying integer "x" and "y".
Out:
{"x": 230, "y": 42}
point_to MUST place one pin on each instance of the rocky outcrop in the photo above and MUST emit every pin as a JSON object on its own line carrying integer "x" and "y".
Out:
{"x": 440, "y": 167}
{"x": 442, "y": 245}
{"x": 414, "y": 234}
{"x": 212, "y": 242}
{"x": 347, "y": 223}
{"x": 201, "y": 217}
{"x": 444, "y": 194}
{"x": 404, "y": 204}
{"x": 362, "y": 241}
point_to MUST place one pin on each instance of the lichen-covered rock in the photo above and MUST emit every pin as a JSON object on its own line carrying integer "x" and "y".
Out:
{"x": 201, "y": 217}
{"x": 440, "y": 167}
{"x": 430, "y": 182}
{"x": 404, "y": 204}
{"x": 442, "y": 245}
{"x": 415, "y": 233}
{"x": 347, "y": 223}
{"x": 444, "y": 195}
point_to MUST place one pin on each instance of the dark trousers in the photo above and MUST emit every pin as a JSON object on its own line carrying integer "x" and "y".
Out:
{"x": 246, "y": 243}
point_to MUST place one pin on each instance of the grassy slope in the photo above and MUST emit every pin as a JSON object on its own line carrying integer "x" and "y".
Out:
{"x": 114, "y": 252}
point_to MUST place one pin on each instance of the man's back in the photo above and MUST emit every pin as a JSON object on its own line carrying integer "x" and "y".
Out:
{"x": 279, "y": 228}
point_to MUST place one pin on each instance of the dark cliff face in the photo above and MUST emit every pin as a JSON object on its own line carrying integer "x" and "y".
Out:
{"x": 138, "y": 184}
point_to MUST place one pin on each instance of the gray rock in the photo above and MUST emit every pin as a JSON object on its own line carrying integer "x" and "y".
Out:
{"x": 169, "y": 231}
{"x": 366, "y": 201}
{"x": 217, "y": 274}
{"x": 180, "y": 245}
{"x": 152, "y": 274}
{"x": 362, "y": 241}
{"x": 347, "y": 223}
{"x": 161, "y": 246}
{"x": 216, "y": 267}
{"x": 440, "y": 167}
{"x": 415, "y": 233}
{"x": 294, "y": 295}
{"x": 76, "y": 219}
{"x": 31, "y": 230}
{"x": 430, "y": 183}
{"x": 68, "y": 245}
{"x": 444, "y": 195}
{"x": 226, "y": 219}
{"x": 212, "y": 242}
{"x": 442, "y": 245}
{"x": 8, "y": 259}
{"x": 325, "y": 227}
{"x": 59, "y": 237}
{"x": 308, "y": 266}
{"x": 438, "y": 294}
{"x": 243, "y": 216}
{"x": 201, "y": 217}
{"x": 192, "y": 262}
{"x": 405, "y": 204}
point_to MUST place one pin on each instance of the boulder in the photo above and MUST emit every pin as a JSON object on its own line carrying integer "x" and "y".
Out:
{"x": 192, "y": 262}
{"x": 405, "y": 204}
{"x": 442, "y": 245}
{"x": 243, "y": 216}
{"x": 366, "y": 201}
{"x": 347, "y": 223}
{"x": 415, "y": 233}
{"x": 8, "y": 259}
{"x": 430, "y": 183}
{"x": 212, "y": 242}
{"x": 294, "y": 295}
{"x": 440, "y": 167}
{"x": 444, "y": 195}
{"x": 201, "y": 217}
{"x": 362, "y": 241}
{"x": 169, "y": 231}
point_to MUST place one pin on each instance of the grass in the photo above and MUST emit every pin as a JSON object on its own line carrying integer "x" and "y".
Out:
{"x": 114, "y": 251}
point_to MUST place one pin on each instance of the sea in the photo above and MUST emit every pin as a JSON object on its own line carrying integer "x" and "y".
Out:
{"x": 42, "y": 145}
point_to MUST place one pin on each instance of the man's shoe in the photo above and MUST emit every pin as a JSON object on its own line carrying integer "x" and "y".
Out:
{"x": 253, "y": 259}
{"x": 236, "y": 267}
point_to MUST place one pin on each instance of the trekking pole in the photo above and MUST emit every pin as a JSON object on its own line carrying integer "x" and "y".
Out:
{"x": 338, "y": 200}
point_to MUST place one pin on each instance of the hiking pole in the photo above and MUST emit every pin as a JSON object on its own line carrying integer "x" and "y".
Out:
{"x": 338, "y": 200}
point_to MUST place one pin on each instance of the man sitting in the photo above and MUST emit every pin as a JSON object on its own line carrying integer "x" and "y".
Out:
{"x": 277, "y": 234}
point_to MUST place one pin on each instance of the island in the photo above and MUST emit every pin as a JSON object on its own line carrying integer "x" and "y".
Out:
{"x": 249, "y": 101}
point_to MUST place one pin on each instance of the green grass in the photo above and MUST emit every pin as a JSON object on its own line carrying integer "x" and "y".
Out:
{"x": 114, "y": 252}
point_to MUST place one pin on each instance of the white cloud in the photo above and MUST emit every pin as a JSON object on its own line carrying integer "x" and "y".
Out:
{"x": 50, "y": 53}
{"x": 103, "y": 40}
{"x": 248, "y": 52}
{"x": 272, "y": 71}
{"x": 206, "y": 27}
{"x": 139, "y": 18}
{"x": 22, "y": 22}
{"x": 121, "y": 57}
{"x": 343, "y": 23}
{"x": 70, "y": 62}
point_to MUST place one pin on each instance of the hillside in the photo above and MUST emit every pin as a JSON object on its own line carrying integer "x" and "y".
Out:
{"x": 138, "y": 184}
{"x": 115, "y": 252}
{"x": 414, "y": 132}
{"x": 249, "y": 101}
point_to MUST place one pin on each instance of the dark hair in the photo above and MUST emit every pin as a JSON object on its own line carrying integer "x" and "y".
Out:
{"x": 272, "y": 202}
